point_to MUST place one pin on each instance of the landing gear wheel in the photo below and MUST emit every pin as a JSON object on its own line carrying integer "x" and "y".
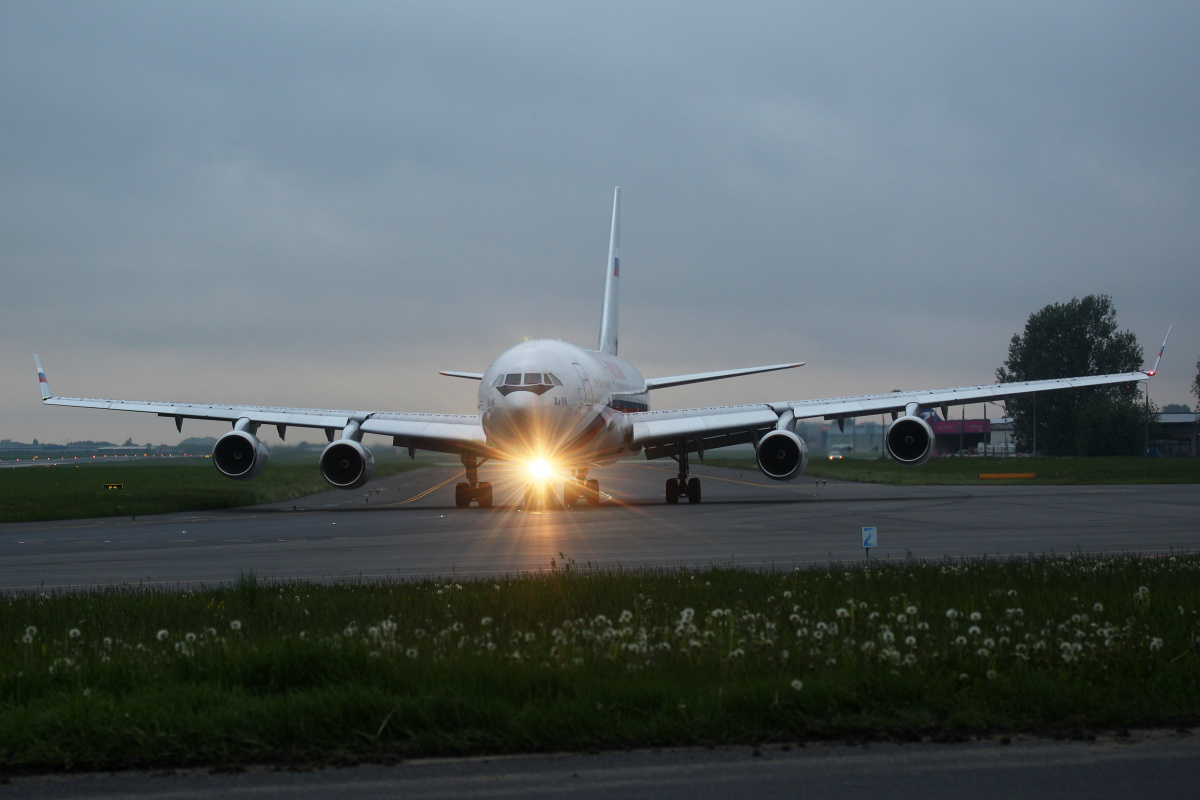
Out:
{"x": 693, "y": 490}
{"x": 672, "y": 491}
{"x": 592, "y": 492}
{"x": 483, "y": 495}
{"x": 462, "y": 495}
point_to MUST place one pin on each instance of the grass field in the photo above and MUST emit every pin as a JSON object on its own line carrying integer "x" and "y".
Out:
{"x": 959, "y": 471}
{"x": 587, "y": 659}
{"x": 155, "y": 487}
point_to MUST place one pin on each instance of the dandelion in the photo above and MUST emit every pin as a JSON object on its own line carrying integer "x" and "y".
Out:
{"x": 842, "y": 613}
{"x": 529, "y": 637}
{"x": 976, "y": 616}
{"x": 911, "y": 611}
{"x": 190, "y": 637}
{"x": 951, "y": 614}
{"x": 73, "y": 633}
{"x": 1098, "y": 608}
{"x": 27, "y": 639}
{"x": 163, "y": 634}
{"x": 982, "y": 652}
{"x": 974, "y": 630}
{"x": 1156, "y": 643}
{"x": 486, "y": 621}
{"x": 960, "y": 640}
{"x": 31, "y": 631}
{"x": 911, "y": 641}
{"x": 797, "y": 685}
{"x": 626, "y": 616}
{"x": 787, "y": 595}
{"x": 412, "y": 651}
{"x": 235, "y": 625}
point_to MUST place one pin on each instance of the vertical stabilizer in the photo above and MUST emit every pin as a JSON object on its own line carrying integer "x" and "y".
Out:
{"x": 608, "y": 318}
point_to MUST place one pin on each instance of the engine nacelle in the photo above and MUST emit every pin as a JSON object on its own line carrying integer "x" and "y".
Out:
{"x": 909, "y": 440}
{"x": 346, "y": 464}
{"x": 781, "y": 455}
{"x": 239, "y": 455}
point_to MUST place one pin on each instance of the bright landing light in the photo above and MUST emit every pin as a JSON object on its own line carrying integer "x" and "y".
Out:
{"x": 540, "y": 469}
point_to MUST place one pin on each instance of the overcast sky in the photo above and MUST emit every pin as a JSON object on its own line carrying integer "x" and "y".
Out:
{"x": 321, "y": 204}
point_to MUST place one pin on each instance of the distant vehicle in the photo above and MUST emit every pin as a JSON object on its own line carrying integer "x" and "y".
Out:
{"x": 836, "y": 456}
{"x": 562, "y": 410}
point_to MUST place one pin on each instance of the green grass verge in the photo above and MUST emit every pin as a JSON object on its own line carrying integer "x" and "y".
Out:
{"x": 966, "y": 471}
{"x": 586, "y": 659}
{"x": 75, "y": 492}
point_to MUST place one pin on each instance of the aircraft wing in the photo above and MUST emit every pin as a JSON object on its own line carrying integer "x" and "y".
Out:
{"x": 898, "y": 402}
{"x": 449, "y": 433}
{"x": 660, "y": 432}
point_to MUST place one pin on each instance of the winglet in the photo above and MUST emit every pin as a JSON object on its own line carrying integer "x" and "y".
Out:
{"x": 42, "y": 378}
{"x": 1160, "y": 351}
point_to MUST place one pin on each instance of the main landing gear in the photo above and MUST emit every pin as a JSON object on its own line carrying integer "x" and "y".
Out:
{"x": 683, "y": 486}
{"x": 472, "y": 490}
{"x": 580, "y": 490}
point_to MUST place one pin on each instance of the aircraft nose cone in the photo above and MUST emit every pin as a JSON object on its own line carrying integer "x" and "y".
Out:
{"x": 524, "y": 420}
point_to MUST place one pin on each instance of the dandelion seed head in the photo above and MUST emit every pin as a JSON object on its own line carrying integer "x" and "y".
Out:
{"x": 163, "y": 634}
{"x": 235, "y": 625}
{"x": 797, "y": 685}
{"x": 976, "y": 616}
{"x": 31, "y": 631}
{"x": 73, "y": 633}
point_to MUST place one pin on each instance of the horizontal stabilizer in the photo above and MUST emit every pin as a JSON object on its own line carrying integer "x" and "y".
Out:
{"x": 700, "y": 377}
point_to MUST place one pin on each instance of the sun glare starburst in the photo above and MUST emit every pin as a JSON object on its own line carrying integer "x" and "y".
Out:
{"x": 540, "y": 469}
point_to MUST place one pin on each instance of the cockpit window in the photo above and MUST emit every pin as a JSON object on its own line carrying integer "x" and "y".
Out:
{"x": 513, "y": 379}
{"x": 553, "y": 379}
{"x": 533, "y": 378}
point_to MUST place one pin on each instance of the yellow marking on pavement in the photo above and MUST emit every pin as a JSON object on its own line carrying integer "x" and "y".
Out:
{"x": 453, "y": 477}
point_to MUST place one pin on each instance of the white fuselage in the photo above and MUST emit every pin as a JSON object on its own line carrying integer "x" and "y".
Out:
{"x": 554, "y": 400}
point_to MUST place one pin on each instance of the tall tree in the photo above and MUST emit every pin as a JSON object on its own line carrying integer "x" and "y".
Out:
{"x": 1196, "y": 386}
{"x": 1063, "y": 340}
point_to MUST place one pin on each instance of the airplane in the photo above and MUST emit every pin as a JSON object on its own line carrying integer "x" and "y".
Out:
{"x": 563, "y": 410}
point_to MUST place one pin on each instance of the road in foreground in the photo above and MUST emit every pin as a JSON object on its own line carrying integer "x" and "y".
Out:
{"x": 1146, "y": 764}
{"x": 407, "y": 525}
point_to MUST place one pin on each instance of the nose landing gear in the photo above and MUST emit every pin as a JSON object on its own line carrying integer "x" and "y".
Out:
{"x": 683, "y": 486}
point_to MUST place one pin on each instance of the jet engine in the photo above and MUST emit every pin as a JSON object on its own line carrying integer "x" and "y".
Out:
{"x": 781, "y": 455}
{"x": 909, "y": 440}
{"x": 239, "y": 455}
{"x": 346, "y": 464}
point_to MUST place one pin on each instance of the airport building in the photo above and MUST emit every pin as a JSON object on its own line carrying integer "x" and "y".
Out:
{"x": 1177, "y": 435}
